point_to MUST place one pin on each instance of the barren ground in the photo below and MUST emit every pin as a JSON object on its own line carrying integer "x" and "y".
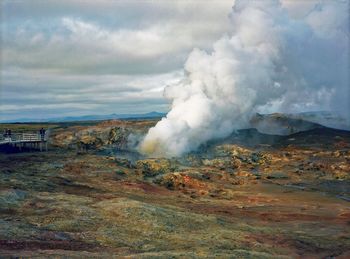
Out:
{"x": 248, "y": 196}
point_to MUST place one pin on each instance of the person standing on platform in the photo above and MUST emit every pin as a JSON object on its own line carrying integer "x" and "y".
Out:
{"x": 42, "y": 134}
{"x": 9, "y": 133}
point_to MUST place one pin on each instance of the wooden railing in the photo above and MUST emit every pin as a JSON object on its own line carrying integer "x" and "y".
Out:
{"x": 23, "y": 137}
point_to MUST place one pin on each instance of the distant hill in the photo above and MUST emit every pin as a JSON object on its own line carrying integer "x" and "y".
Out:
{"x": 325, "y": 118}
{"x": 281, "y": 124}
{"x": 113, "y": 116}
{"x": 286, "y": 124}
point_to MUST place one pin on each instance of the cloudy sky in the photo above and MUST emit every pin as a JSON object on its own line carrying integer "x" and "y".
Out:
{"x": 67, "y": 58}
{"x": 81, "y": 57}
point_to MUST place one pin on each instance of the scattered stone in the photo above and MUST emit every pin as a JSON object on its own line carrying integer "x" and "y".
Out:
{"x": 220, "y": 163}
{"x": 123, "y": 162}
{"x": 277, "y": 176}
{"x": 118, "y": 136}
{"x": 12, "y": 198}
{"x": 178, "y": 181}
{"x": 152, "y": 167}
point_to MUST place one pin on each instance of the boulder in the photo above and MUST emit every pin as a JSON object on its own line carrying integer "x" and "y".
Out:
{"x": 178, "y": 181}
{"x": 118, "y": 136}
{"x": 220, "y": 163}
{"x": 152, "y": 167}
{"x": 123, "y": 162}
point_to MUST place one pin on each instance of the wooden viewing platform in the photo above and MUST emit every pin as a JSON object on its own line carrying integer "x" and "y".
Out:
{"x": 25, "y": 140}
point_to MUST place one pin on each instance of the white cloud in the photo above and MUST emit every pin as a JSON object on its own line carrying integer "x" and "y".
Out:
{"x": 114, "y": 55}
{"x": 74, "y": 43}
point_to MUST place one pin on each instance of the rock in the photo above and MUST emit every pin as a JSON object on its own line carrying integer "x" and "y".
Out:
{"x": 123, "y": 162}
{"x": 191, "y": 160}
{"x": 277, "y": 175}
{"x": 337, "y": 153}
{"x": 85, "y": 138}
{"x": 152, "y": 167}
{"x": 218, "y": 192}
{"x": 118, "y": 136}
{"x": 261, "y": 158}
{"x": 178, "y": 181}
{"x": 198, "y": 175}
{"x": 10, "y": 199}
{"x": 239, "y": 181}
{"x": 240, "y": 155}
{"x": 88, "y": 142}
{"x": 242, "y": 177}
{"x": 220, "y": 163}
{"x": 243, "y": 174}
{"x": 341, "y": 175}
{"x": 119, "y": 174}
{"x": 236, "y": 163}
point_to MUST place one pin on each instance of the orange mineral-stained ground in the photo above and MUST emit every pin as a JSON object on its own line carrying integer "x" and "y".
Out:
{"x": 93, "y": 197}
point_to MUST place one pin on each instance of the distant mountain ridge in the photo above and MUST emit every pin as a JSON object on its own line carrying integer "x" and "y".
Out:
{"x": 113, "y": 116}
{"x": 275, "y": 123}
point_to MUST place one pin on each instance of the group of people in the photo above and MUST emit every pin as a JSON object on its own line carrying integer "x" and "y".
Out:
{"x": 8, "y": 133}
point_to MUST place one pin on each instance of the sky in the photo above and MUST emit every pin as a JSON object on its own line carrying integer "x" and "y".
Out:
{"x": 71, "y": 58}
{"x": 83, "y": 57}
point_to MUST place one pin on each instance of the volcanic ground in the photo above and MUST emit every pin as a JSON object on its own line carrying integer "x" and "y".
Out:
{"x": 251, "y": 195}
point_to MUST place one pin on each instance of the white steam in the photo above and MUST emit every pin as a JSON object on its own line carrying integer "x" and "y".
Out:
{"x": 273, "y": 60}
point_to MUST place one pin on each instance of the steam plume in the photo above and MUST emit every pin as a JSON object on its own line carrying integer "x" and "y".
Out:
{"x": 273, "y": 60}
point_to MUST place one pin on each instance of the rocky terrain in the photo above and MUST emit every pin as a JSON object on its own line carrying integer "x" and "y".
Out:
{"x": 251, "y": 195}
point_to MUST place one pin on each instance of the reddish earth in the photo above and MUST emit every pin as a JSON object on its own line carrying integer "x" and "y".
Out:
{"x": 286, "y": 199}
